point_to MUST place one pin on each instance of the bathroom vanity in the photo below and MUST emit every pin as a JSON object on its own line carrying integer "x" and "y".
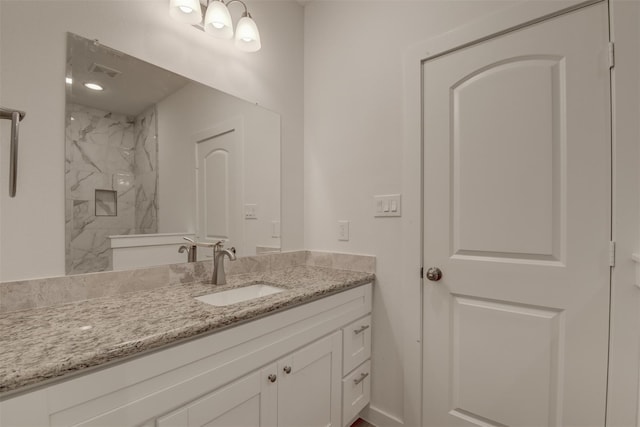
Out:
{"x": 297, "y": 357}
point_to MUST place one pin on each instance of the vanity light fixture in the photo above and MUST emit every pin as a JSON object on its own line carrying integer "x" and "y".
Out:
{"x": 217, "y": 21}
{"x": 93, "y": 86}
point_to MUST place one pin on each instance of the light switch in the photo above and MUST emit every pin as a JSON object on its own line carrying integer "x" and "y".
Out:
{"x": 343, "y": 230}
{"x": 275, "y": 228}
{"x": 387, "y": 205}
{"x": 250, "y": 211}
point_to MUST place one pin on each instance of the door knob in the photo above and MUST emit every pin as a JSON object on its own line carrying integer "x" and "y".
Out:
{"x": 272, "y": 378}
{"x": 434, "y": 274}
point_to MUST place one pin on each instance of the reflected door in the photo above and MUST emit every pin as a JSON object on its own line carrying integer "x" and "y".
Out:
{"x": 517, "y": 217}
{"x": 219, "y": 184}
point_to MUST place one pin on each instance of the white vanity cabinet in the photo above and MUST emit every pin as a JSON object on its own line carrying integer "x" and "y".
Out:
{"x": 221, "y": 379}
{"x": 302, "y": 389}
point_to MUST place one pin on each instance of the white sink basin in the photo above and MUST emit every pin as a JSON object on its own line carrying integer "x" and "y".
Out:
{"x": 236, "y": 295}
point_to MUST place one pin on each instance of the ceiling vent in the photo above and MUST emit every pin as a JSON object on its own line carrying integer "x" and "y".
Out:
{"x": 103, "y": 69}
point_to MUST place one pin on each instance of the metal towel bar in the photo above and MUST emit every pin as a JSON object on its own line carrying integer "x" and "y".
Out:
{"x": 16, "y": 117}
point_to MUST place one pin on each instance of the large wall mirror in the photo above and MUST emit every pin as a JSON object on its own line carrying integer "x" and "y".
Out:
{"x": 152, "y": 157}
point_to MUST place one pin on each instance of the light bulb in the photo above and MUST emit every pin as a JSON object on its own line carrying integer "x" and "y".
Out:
{"x": 247, "y": 35}
{"x": 188, "y": 11}
{"x": 93, "y": 86}
{"x": 217, "y": 20}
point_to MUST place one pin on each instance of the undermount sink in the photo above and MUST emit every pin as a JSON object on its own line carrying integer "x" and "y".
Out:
{"x": 236, "y": 295}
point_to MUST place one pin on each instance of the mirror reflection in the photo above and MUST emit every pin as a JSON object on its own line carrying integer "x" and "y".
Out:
{"x": 152, "y": 157}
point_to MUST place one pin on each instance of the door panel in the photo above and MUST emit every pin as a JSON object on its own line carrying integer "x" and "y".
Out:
{"x": 219, "y": 184}
{"x": 517, "y": 216}
{"x": 492, "y": 341}
{"x": 519, "y": 138}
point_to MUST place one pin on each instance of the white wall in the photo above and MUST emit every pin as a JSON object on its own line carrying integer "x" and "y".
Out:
{"x": 353, "y": 148}
{"x": 32, "y": 49}
{"x": 192, "y": 110}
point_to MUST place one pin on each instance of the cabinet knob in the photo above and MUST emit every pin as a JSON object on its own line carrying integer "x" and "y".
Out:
{"x": 287, "y": 369}
{"x": 272, "y": 378}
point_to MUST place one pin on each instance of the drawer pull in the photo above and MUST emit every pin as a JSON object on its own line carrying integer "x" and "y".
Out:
{"x": 272, "y": 378}
{"x": 287, "y": 369}
{"x": 361, "y": 329}
{"x": 363, "y": 375}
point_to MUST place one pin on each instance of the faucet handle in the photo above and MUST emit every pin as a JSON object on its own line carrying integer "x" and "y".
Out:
{"x": 189, "y": 239}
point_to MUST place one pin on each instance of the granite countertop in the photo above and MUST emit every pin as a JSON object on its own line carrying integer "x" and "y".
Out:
{"x": 51, "y": 342}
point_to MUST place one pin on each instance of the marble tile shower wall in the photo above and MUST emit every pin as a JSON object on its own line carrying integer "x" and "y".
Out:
{"x": 100, "y": 154}
{"x": 146, "y": 172}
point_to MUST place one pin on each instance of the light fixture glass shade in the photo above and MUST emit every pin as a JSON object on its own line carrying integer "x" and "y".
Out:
{"x": 188, "y": 11}
{"x": 247, "y": 35}
{"x": 217, "y": 20}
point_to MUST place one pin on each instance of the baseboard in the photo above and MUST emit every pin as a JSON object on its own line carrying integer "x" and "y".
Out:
{"x": 380, "y": 418}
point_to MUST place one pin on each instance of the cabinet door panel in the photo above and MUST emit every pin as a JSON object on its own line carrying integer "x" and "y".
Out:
{"x": 242, "y": 403}
{"x": 309, "y": 390}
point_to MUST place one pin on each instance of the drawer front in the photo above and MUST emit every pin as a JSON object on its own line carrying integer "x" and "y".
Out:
{"x": 356, "y": 344}
{"x": 356, "y": 391}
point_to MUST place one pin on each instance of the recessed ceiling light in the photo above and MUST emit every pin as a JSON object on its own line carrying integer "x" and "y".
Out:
{"x": 68, "y": 80}
{"x": 93, "y": 86}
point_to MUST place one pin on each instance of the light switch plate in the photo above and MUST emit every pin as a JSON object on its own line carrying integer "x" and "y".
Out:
{"x": 387, "y": 205}
{"x": 250, "y": 211}
{"x": 275, "y": 228}
{"x": 343, "y": 230}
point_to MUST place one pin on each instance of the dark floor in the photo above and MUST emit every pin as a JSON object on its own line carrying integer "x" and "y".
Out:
{"x": 361, "y": 423}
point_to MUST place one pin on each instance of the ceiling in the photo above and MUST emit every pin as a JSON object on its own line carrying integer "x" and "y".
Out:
{"x": 130, "y": 85}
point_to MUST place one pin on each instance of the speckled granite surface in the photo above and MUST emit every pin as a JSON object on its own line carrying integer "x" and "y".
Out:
{"x": 50, "y": 342}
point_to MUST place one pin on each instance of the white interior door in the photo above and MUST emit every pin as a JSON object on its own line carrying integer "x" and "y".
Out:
{"x": 220, "y": 184}
{"x": 517, "y": 216}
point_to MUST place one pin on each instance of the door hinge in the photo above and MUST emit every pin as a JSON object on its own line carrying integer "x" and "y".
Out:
{"x": 422, "y": 272}
{"x": 612, "y": 55}
{"x": 612, "y": 254}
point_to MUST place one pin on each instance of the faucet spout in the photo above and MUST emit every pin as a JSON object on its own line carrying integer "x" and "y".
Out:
{"x": 218, "y": 276}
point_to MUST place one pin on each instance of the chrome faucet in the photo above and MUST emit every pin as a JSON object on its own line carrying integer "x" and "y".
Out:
{"x": 192, "y": 250}
{"x": 218, "y": 277}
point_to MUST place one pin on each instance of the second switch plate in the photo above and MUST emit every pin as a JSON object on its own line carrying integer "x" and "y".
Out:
{"x": 343, "y": 230}
{"x": 388, "y": 205}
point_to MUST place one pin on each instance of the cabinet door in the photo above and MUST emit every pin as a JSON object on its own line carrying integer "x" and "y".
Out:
{"x": 249, "y": 401}
{"x": 309, "y": 383}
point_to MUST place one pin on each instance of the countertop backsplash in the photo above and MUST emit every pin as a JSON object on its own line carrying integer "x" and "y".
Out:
{"x": 46, "y": 292}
